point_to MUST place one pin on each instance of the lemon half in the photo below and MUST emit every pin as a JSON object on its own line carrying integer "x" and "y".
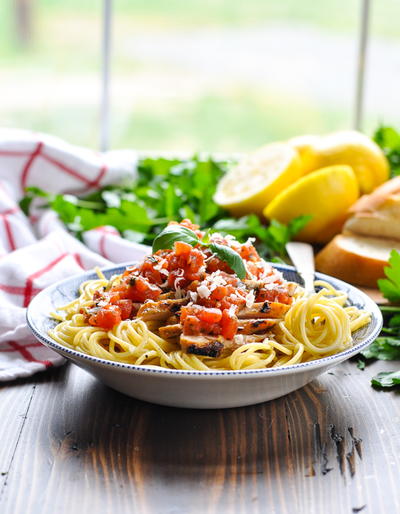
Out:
{"x": 354, "y": 149}
{"x": 325, "y": 194}
{"x": 255, "y": 181}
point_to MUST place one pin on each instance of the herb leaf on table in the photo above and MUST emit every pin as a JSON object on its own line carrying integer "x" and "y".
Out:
{"x": 390, "y": 286}
{"x": 386, "y": 379}
{"x": 387, "y": 345}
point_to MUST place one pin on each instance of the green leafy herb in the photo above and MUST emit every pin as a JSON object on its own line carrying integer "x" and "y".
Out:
{"x": 361, "y": 364}
{"x": 387, "y": 345}
{"x": 172, "y": 234}
{"x": 386, "y": 379}
{"x": 165, "y": 190}
{"x": 271, "y": 240}
{"x": 390, "y": 286}
{"x": 232, "y": 258}
{"x": 383, "y": 348}
{"x": 389, "y": 140}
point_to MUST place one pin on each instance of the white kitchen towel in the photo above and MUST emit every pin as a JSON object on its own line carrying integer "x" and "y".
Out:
{"x": 37, "y": 252}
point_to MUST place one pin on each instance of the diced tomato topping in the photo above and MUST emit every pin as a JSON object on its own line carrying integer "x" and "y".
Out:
{"x": 188, "y": 224}
{"x": 249, "y": 253}
{"x": 140, "y": 290}
{"x": 125, "y": 307}
{"x": 186, "y": 267}
{"x": 215, "y": 264}
{"x": 219, "y": 293}
{"x": 191, "y": 326}
{"x": 210, "y": 315}
{"x": 147, "y": 270}
{"x": 273, "y": 295}
{"x": 176, "y": 279}
{"x": 182, "y": 248}
{"x": 106, "y": 317}
{"x": 207, "y": 315}
{"x": 229, "y": 324}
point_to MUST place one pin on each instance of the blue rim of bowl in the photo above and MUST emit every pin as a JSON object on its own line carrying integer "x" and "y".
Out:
{"x": 369, "y": 305}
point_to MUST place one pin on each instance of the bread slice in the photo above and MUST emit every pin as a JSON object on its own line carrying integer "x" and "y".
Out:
{"x": 374, "y": 225}
{"x": 356, "y": 259}
{"x": 377, "y": 214}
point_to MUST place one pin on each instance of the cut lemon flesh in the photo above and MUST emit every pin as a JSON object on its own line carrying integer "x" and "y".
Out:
{"x": 254, "y": 182}
{"x": 325, "y": 194}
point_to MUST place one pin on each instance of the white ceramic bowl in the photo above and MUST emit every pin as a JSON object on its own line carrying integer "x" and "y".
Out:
{"x": 196, "y": 389}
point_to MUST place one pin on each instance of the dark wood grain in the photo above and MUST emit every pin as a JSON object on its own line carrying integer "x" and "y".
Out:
{"x": 69, "y": 444}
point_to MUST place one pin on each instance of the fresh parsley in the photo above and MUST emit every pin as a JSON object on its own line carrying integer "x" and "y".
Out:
{"x": 165, "y": 190}
{"x": 390, "y": 286}
{"x": 386, "y": 379}
{"x": 389, "y": 140}
{"x": 387, "y": 345}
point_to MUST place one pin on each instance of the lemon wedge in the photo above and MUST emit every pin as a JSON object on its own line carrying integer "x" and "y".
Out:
{"x": 354, "y": 149}
{"x": 325, "y": 194}
{"x": 255, "y": 181}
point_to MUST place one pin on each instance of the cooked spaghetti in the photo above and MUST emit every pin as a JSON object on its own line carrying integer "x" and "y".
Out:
{"x": 184, "y": 308}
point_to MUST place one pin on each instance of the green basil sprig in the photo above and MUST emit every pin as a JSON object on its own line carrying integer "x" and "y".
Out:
{"x": 232, "y": 258}
{"x": 173, "y": 233}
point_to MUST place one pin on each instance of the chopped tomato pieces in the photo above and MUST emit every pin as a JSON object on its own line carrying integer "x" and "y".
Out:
{"x": 229, "y": 324}
{"x": 191, "y": 275}
{"x": 106, "y": 317}
{"x": 125, "y": 306}
{"x": 141, "y": 289}
{"x": 182, "y": 248}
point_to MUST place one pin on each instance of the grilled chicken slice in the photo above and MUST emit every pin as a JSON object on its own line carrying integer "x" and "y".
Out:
{"x": 160, "y": 311}
{"x": 201, "y": 345}
{"x": 255, "y": 326}
{"x": 170, "y": 331}
{"x": 167, "y": 296}
{"x": 214, "y": 346}
{"x": 264, "y": 310}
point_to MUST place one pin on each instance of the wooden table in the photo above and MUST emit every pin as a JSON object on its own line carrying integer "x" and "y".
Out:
{"x": 69, "y": 444}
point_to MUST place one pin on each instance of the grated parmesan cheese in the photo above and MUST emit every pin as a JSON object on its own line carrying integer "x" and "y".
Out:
{"x": 232, "y": 310}
{"x": 250, "y": 299}
{"x": 238, "y": 339}
{"x": 203, "y": 291}
{"x": 193, "y": 296}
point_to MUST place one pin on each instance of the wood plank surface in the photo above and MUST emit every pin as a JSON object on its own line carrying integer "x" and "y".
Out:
{"x": 69, "y": 444}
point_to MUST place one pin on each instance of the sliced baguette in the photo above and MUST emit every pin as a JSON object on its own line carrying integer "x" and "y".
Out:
{"x": 374, "y": 225}
{"x": 356, "y": 259}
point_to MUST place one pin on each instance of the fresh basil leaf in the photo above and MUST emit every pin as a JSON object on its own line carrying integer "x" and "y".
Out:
{"x": 173, "y": 233}
{"x": 390, "y": 286}
{"x": 232, "y": 258}
{"x": 386, "y": 379}
{"x": 361, "y": 364}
